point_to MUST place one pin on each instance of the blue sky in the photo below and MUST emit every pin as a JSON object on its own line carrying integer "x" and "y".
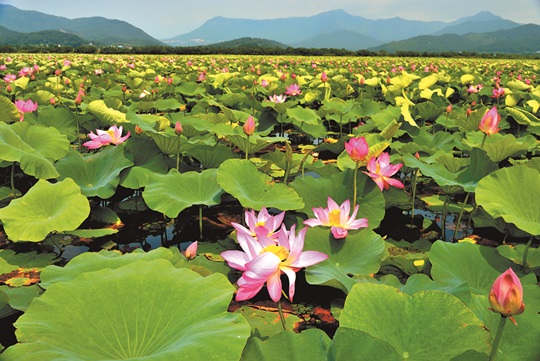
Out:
{"x": 167, "y": 18}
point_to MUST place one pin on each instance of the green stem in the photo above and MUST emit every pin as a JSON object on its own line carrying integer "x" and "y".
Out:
{"x": 281, "y": 316}
{"x": 443, "y": 220}
{"x": 461, "y": 215}
{"x": 354, "y": 183}
{"x": 200, "y": 222}
{"x": 497, "y": 340}
{"x": 525, "y": 254}
{"x": 483, "y": 141}
{"x": 247, "y": 149}
{"x": 178, "y": 156}
{"x": 13, "y": 190}
{"x": 413, "y": 185}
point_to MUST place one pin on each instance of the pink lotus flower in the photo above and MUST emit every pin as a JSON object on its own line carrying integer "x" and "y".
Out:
{"x": 380, "y": 170}
{"x": 262, "y": 226}
{"x": 357, "y": 148}
{"x": 277, "y": 98}
{"x": 98, "y": 71}
{"x": 497, "y": 92}
{"x": 10, "y": 78}
{"x": 178, "y": 129}
{"x": 506, "y": 295}
{"x": 293, "y": 89}
{"x": 490, "y": 122}
{"x": 264, "y": 83}
{"x": 324, "y": 77}
{"x": 249, "y": 126}
{"x": 102, "y": 138}
{"x": 191, "y": 251}
{"x": 265, "y": 263}
{"x": 474, "y": 89}
{"x": 27, "y": 106}
{"x": 338, "y": 218}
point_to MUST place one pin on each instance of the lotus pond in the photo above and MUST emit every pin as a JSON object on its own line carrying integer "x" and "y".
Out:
{"x": 264, "y": 208}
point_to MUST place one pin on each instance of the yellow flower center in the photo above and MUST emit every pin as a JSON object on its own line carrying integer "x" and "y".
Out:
{"x": 260, "y": 224}
{"x": 279, "y": 251}
{"x": 334, "y": 217}
{"x": 111, "y": 133}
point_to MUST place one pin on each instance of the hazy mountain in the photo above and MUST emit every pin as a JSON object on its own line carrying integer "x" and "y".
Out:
{"x": 94, "y": 29}
{"x": 296, "y": 30}
{"x": 339, "y": 39}
{"x": 45, "y": 37}
{"x": 520, "y": 40}
{"x": 248, "y": 43}
{"x": 482, "y": 22}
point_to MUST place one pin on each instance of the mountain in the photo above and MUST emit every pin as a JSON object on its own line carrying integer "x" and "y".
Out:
{"x": 45, "y": 37}
{"x": 297, "y": 30}
{"x": 482, "y": 22}
{"x": 339, "y": 39}
{"x": 523, "y": 39}
{"x": 248, "y": 43}
{"x": 93, "y": 29}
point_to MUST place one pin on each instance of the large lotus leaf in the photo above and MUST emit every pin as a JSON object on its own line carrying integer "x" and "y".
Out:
{"x": 253, "y": 189}
{"x": 19, "y": 298}
{"x": 144, "y": 310}
{"x": 518, "y": 343}
{"x": 303, "y": 115}
{"x": 106, "y": 115}
{"x": 360, "y": 253}
{"x": 95, "y": 261}
{"x": 265, "y": 321}
{"x": 309, "y": 345}
{"x": 98, "y": 174}
{"x": 479, "y": 167}
{"x": 515, "y": 253}
{"x": 499, "y": 147}
{"x": 348, "y": 341}
{"x": 170, "y": 194}
{"x": 168, "y": 104}
{"x": 455, "y": 263}
{"x": 339, "y": 186}
{"x": 429, "y": 325}
{"x": 33, "y": 147}
{"x": 253, "y": 143}
{"x": 60, "y": 118}
{"x": 8, "y": 111}
{"x": 513, "y": 194}
{"x": 45, "y": 208}
{"x": 523, "y": 117}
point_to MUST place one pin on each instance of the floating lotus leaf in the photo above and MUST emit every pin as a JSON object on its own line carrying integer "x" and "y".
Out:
{"x": 144, "y": 310}
{"x": 455, "y": 263}
{"x": 98, "y": 174}
{"x": 19, "y": 298}
{"x": 253, "y": 189}
{"x": 10, "y": 261}
{"x": 265, "y": 321}
{"x": 95, "y": 261}
{"x": 513, "y": 194}
{"x": 45, "y": 208}
{"x": 311, "y": 344}
{"x": 34, "y": 147}
{"x": 360, "y": 253}
{"x": 515, "y": 253}
{"x": 315, "y": 192}
{"x": 106, "y": 115}
{"x": 170, "y": 194}
{"x": 405, "y": 323}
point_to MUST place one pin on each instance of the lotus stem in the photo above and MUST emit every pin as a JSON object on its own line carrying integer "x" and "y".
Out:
{"x": 354, "y": 182}
{"x": 413, "y": 185}
{"x": 178, "y": 155}
{"x": 443, "y": 218}
{"x": 461, "y": 215}
{"x": 525, "y": 254}
{"x": 200, "y": 222}
{"x": 12, "y": 177}
{"x": 483, "y": 141}
{"x": 281, "y": 316}
{"x": 497, "y": 340}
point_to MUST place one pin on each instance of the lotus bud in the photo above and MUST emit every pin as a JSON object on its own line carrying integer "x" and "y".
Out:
{"x": 138, "y": 130}
{"x": 357, "y": 148}
{"x": 178, "y": 128}
{"x": 324, "y": 77}
{"x": 490, "y": 122}
{"x": 249, "y": 126}
{"x": 448, "y": 108}
{"x": 506, "y": 295}
{"x": 191, "y": 251}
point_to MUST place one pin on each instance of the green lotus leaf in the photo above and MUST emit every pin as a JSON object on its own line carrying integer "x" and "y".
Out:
{"x": 95, "y": 261}
{"x": 190, "y": 89}
{"x": 515, "y": 253}
{"x": 511, "y": 193}
{"x": 348, "y": 341}
{"x": 253, "y": 189}
{"x": 499, "y": 147}
{"x": 170, "y": 194}
{"x": 10, "y": 261}
{"x": 61, "y": 119}
{"x": 45, "y": 208}
{"x": 428, "y": 81}
{"x": 97, "y": 174}
{"x": 8, "y": 111}
{"x": 264, "y": 323}
{"x": 19, "y": 298}
{"x": 405, "y": 323}
{"x": 455, "y": 263}
{"x": 144, "y": 310}
{"x": 303, "y": 115}
{"x": 339, "y": 186}
{"x": 107, "y": 116}
{"x": 167, "y": 104}
{"x": 253, "y": 143}
{"x": 311, "y": 344}
{"x": 210, "y": 156}
{"x": 33, "y": 147}
{"x": 147, "y": 159}
{"x": 360, "y": 253}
